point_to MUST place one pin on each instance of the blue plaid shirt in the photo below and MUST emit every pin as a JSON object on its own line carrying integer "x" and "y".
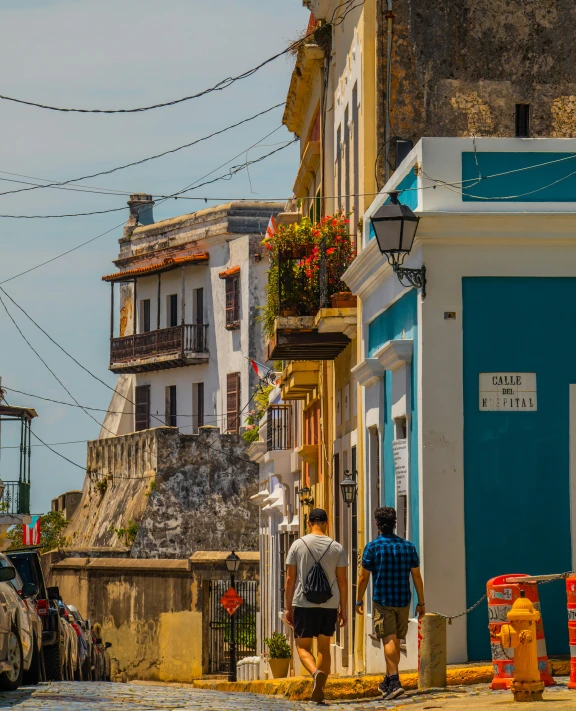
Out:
{"x": 390, "y": 558}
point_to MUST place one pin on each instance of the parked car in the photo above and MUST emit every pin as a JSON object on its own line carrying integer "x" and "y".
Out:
{"x": 87, "y": 642}
{"x": 73, "y": 665}
{"x": 102, "y": 651}
{"x": 54, "y": 634}
{"x": 21, "y": 628}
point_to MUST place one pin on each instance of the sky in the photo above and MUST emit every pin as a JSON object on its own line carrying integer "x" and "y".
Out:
{"x": 110, "y": 54}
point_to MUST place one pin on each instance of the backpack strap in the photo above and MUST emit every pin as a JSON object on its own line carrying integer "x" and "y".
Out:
{"x": 312, "y": 554}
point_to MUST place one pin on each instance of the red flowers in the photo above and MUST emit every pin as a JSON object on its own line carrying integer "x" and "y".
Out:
{"x": 330, "y": 250}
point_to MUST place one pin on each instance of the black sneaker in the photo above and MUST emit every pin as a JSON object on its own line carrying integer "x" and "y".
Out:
{"x": 384, "y": 687}
{"x": 395, "y": 690}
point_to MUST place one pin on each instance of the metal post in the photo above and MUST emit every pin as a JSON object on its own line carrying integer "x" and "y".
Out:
{"x": 112, "y": 311}
{"x": 158, "y": 310}
{"x": 232, "y": 675}
{"x": 134, "y": 316}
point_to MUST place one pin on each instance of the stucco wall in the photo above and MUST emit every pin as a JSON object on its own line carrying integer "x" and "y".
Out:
{"x": 155, "y": 613}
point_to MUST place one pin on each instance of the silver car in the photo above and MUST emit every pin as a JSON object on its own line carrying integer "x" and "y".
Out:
{"x": 20, "y": 630}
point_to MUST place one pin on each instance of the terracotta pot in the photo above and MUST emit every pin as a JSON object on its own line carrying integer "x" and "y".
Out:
{"x": 289, "y": 312}
{"x": 343, "y": 300}
{"x": 279, "y": 667}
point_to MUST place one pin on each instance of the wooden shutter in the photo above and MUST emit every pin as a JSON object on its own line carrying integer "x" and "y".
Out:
{"x": 232, "y": 402}
{"x": 170, "y": 407}
{"x": 142, "y": 420}
{"x": 146, "y": 316}
{"x": 232, "y": 301}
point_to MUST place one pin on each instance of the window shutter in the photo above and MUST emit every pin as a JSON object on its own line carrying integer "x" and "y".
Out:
{"x": 232, "y": 300}
{"x": 232, "y": 402}
{"x": 142, "y": 407}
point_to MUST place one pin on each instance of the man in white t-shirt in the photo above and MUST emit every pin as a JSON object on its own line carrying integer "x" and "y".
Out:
{"x": 308, "y": 618}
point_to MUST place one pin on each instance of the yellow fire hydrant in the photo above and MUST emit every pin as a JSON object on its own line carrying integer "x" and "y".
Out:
{"x": 520, "y": 634}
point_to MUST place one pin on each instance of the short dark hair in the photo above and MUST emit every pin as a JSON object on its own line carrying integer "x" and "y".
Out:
{"x": 385, "y": 518}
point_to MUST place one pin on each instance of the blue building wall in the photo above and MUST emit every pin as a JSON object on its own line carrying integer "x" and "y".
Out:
{"x": 516, "y": 465}
{"x": 555, "y": 182}
{"x": 397, "y": 322}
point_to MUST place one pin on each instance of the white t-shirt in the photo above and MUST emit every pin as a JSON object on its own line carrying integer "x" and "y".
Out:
{"x": 303, "y": 559}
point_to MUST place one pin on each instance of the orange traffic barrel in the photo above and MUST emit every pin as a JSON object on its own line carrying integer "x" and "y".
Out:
{"x": 571, "y": 598}
{"x": 501, "y": 597}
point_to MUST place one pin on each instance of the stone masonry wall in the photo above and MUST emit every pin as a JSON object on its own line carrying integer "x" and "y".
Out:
{"x": 459, "y": 67}
{"x": 202, "y": 497}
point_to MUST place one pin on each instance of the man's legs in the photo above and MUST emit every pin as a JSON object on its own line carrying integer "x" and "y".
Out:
{"x": 391, "y": 654}
{"x": 304, "y": 647}
{"x": 324, "y": 662}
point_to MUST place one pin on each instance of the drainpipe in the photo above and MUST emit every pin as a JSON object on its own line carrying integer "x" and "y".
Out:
{"x": 390, "y": 22}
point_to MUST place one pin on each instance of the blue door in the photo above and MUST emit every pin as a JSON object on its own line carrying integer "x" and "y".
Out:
{"x": 516, "y": 464}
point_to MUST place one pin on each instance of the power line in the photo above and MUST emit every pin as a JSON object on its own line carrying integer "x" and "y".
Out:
{"x": 46, "y": 364}
{"x": 231, "y": 173}
{"x": 57, "y": 184}
{"x": 220, "y": 86}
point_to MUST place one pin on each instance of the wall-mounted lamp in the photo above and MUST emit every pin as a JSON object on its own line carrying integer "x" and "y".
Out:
{"x": 395, "y": 227}
{"x": 349, "y": 487}
{"x": 304, "y": 496}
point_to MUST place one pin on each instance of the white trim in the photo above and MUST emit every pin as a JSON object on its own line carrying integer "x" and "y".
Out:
{"x": 368, "y": 371}
{"x": 395, "y": 354}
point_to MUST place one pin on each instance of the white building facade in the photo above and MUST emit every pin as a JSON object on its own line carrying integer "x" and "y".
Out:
{"x": 476, "y": 382}
{"x": 186, "y": 326}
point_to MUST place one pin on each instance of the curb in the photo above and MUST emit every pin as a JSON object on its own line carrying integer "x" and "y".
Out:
{"x": 357, "y": 687}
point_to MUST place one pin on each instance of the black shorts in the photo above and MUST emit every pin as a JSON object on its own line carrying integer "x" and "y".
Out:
{"x": 314, "y": 621}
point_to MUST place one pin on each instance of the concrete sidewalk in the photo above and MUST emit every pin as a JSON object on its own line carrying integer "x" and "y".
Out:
{"x": 363, "y": 687}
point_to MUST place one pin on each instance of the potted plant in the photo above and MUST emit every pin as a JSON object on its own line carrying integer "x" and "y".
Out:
{"x": 343, "y": 300}
{"x": 280, "y": 655}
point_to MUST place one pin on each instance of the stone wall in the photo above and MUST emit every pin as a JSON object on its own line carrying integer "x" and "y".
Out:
{"x": 167, "y": 495}
{"x": 459, "y": 67}
{"x": 154, "y": 612}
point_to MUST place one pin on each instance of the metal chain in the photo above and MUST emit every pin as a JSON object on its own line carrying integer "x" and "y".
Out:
{"x": 461, "y": 614}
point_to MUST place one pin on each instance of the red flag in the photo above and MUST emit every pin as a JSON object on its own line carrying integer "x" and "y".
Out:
{"x": 263, "y": 372}
{"x": 271, "y": 229}
{"x": 31, "y": 532}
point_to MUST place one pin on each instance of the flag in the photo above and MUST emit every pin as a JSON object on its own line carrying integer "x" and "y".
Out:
{"x": 31, "y": 532}
{"x": 271, "y": 229}
{"x": 263, "y": 372}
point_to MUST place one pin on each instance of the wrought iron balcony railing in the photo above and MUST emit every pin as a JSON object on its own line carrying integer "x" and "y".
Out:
{"x": 15, "y": 497}
{"x": 278, "y": 427}
{"x": 140, "y": 352}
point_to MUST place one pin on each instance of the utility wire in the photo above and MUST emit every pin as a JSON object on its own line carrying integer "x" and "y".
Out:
{"x": 231, "y": 173}
{"x": 47, "y": 366}
{"x": 57, "y": 184}
{"x": 220, "y": 86}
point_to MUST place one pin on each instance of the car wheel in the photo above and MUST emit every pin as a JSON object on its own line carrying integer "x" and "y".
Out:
{"x": 11, "y": 680}
{"x": 53, "y": 663}
{"x": 33, "y": 676}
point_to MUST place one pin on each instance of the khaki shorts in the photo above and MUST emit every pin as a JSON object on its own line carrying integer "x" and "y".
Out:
{"x": 391, "y": 620}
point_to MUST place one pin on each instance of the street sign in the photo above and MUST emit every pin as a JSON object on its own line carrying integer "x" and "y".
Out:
{"x": 231, "y": 601}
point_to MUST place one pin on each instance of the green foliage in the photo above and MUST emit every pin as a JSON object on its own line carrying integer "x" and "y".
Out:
{"x": 251, "y": 433}
{"x": 101, "y": 486}
{"x": 295, "y": 264}
{"x": 127, "y": 535}
{"x": 52, "y": 526}
{"x": 152, "y": 486}
{"x": 278, "y": 646}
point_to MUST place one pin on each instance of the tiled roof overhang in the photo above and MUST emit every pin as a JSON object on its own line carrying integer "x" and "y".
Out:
{"x": 164, "y": 266}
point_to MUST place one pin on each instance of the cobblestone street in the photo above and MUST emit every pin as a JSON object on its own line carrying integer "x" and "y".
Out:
{"x": 64, "y": 696}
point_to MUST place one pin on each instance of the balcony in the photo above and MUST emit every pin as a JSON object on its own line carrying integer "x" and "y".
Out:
{"x": 310, "y": 314}
{"x": 15, "y": 498}
{"x": 278, "y": 427}
{"x": 161, "y": 349}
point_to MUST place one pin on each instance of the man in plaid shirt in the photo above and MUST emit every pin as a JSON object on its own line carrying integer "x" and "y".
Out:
{"x": 391, "y": 560}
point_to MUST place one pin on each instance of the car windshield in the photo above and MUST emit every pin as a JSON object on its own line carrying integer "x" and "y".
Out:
{"x": 24, "y": 568}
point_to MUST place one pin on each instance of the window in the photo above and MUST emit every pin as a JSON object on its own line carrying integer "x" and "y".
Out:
{"x": 142, "y": 420}
{"x": 522, "y": 120}
{"x": 232, "y": 402}
{"x": 198, "y": 306}
{"x": 198, "y": 406}
{"x": 145, "y": 315}
{"x": 172, "y": 310}
{"x": 171, "y": 405}
{"x": 232, "y": 302}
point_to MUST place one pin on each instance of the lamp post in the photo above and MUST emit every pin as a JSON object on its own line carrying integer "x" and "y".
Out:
{"x": 304, "y": 496}
{"x": 395, "y": 227}
{"x": 232, "y": 565}
{"x": 349, "y": 487}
